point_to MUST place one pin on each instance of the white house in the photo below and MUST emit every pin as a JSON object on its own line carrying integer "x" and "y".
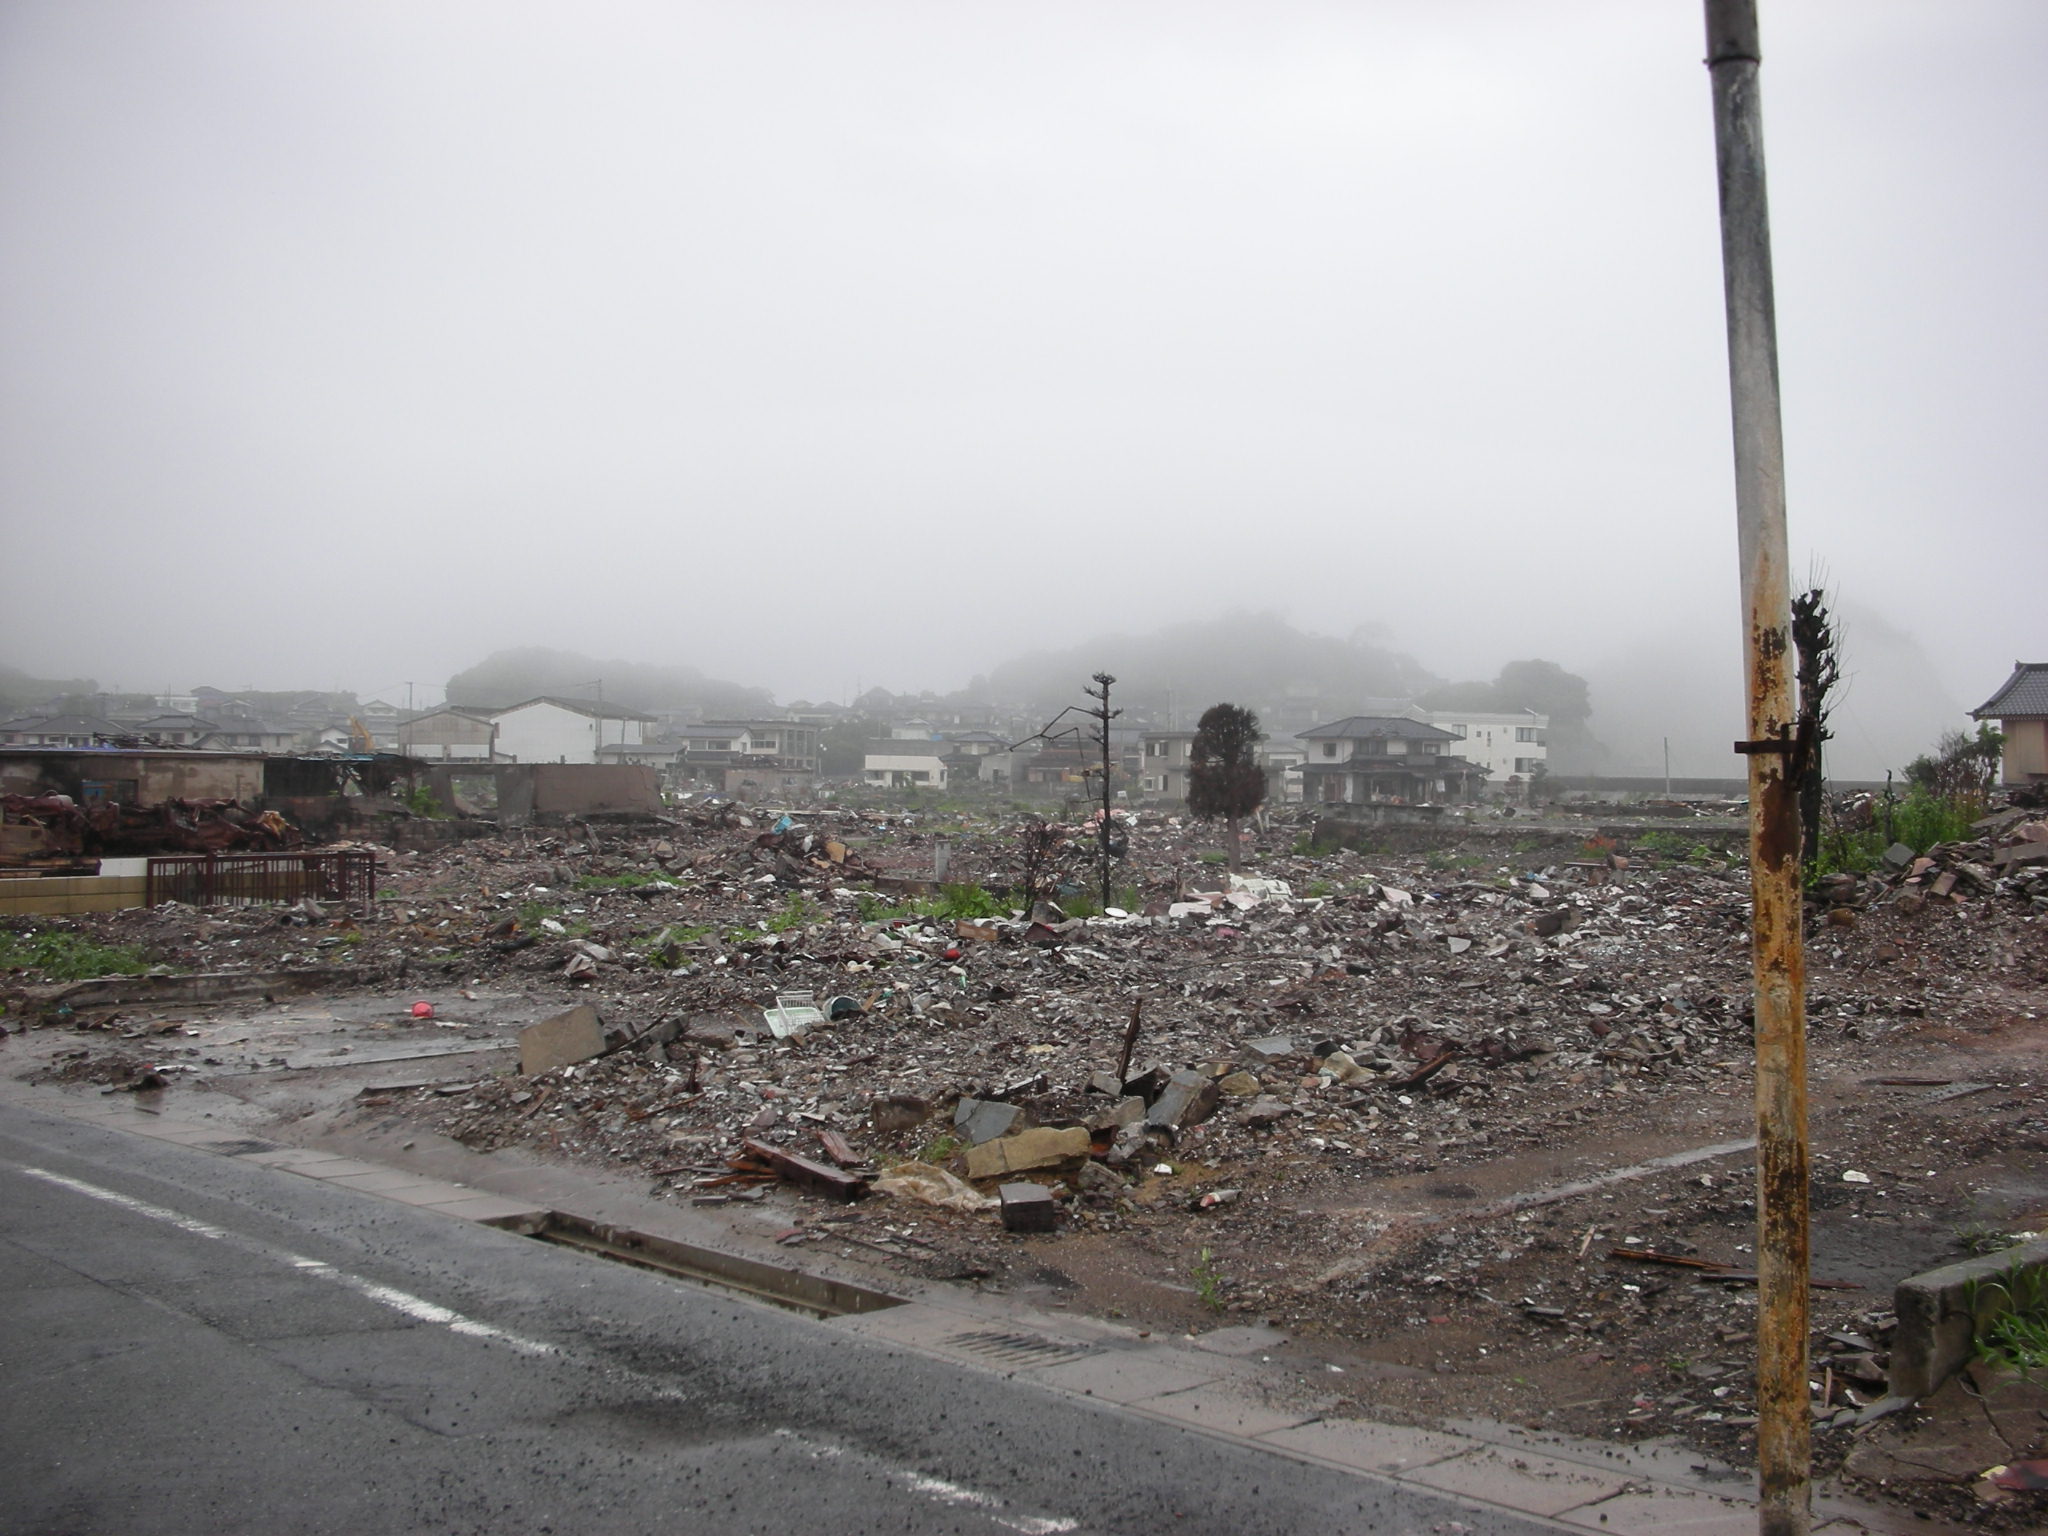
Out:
{"x": 1513, "y": 747}
{"x": 551, "y": 730}
{"x": 905, "y": 764}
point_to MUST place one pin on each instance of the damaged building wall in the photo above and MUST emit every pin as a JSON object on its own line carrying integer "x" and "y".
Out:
{"x": 544, "y": 791}
{"x": 132, "y": 778}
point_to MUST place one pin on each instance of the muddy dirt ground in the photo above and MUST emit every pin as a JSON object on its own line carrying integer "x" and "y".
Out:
{"x": 1453, "y": 1083}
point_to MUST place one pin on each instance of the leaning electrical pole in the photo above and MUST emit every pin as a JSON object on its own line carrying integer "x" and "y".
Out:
{"x": 1784, "y": 1431}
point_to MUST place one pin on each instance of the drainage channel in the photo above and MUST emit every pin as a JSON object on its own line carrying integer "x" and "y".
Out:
{"x": 814, "y": 1295}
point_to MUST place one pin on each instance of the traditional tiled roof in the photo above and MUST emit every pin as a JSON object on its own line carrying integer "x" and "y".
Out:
{"x": 1359, "y": 726}
{"x": 2025, "y": 693}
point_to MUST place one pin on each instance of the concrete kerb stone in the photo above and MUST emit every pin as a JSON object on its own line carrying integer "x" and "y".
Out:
{"x": 1938, "y": 1314}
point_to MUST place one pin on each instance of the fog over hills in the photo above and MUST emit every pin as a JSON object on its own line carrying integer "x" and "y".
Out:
{"x": 1612, "y": 719}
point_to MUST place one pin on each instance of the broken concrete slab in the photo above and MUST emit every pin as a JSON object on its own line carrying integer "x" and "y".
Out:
{"x": 1271, "y": 1048}
{"x": 1189, "y": 1098}
{"x": 1044, "y": 1147}
{"x": 979, "y": 1120}
{"x": 209, "y": 987}
{"x": 561, "y": 1041}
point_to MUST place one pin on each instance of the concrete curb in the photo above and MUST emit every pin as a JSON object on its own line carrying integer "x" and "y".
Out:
{"x": 1937, "y": 1333}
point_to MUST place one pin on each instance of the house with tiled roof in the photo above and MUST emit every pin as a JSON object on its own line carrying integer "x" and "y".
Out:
{"x": 1385, "y": 759}
{"x": 2021, "y": 709}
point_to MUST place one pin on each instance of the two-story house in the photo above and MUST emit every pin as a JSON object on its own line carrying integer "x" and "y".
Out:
{"x": 1512, "y": 746}
{"x": 551, "y": 730}
{"x": 1384, "y": 758}
{"x": 1163, "y": 763}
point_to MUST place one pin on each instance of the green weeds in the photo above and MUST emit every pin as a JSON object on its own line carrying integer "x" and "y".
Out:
{"x": 2011, "y": 1310}
{"x": 625, "y": 882}
{"x": 68, "y": 956}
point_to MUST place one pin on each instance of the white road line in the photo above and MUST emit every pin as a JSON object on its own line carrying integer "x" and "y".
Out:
{"x": 940, "y": 1491}
{"x": 415, "y": 1307}
{"x": 419, "y": 1309}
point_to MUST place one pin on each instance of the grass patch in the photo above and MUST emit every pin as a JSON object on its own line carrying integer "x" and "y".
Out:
{"x": 1127, "y": 898}
{"x": 959, "y": 903}
{"x": 625, "y": 882}
{"x": 2012, "y": 1317}
{"x": 1208, "y": 1281}
{"x": 1919, "y": 821}
{"x": 797, "y": 912}
{"x": 68, "y": 956}
{"x": 938, "y": 1149}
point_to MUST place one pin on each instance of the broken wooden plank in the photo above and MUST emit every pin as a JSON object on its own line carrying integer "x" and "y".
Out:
{"x": 1654, "y": 1256}
{"x": 838, "y": 1148}
{"x": 805, "y": 1174}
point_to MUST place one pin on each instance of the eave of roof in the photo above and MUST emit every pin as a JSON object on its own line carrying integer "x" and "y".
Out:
{"x": 2023, "y": 695}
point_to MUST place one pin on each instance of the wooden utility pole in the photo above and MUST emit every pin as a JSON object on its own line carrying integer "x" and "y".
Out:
{"x": 1784, "y": 1430}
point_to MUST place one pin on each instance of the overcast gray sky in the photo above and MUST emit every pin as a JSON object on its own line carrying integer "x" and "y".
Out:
{"x": 345, "y": 342}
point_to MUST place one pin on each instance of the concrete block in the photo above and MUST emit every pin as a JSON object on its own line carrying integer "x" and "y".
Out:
{"x": 1044, "y": 1147}
{"x": 561, "y": 1041}
{"x": 1937, "y": 1330}
{"x": 1029, "y": 1208}
{"x": 1188, "y": 1098}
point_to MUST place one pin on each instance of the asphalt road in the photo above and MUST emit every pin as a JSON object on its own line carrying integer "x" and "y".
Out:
{"x": 191, "y": 1344}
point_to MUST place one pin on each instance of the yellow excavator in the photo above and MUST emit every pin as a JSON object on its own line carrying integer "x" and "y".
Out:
{"x": 359, "y": 737}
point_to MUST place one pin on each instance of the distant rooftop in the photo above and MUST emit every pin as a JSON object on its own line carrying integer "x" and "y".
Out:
{"x": 1358, "y": 727}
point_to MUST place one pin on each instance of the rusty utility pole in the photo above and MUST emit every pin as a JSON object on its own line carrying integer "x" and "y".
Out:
{"x": 1784, "y": 1431}
{"x": 1103, "y": 714}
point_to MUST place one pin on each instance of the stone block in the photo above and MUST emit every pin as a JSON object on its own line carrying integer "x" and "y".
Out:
{"x": 561, "y": 1041}
{"x": 1044, "y": 1147}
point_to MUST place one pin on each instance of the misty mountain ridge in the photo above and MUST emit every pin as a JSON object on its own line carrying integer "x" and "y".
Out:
{"x": 1165, "y": 678}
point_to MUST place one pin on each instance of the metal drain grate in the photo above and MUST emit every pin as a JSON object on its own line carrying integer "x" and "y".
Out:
{"x": 1021, "y": 1349}
{"x": 241, "y": 1147}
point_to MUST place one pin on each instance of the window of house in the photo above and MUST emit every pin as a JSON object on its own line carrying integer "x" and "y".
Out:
{"x": 1393, "y": 746}
{"x": 1457, "y": 731}
{"x": 1528, "y": 733}
{"x": 1528, "y": 764}
{"x": 1329, "y": 749}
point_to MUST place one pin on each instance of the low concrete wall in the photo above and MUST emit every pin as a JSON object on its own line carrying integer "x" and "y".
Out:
{"x": 68, "y": 895}
{"x": 1937, "y": 1333}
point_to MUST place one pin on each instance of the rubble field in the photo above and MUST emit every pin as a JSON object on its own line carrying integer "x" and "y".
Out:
{"x": 1470, "y": 1128}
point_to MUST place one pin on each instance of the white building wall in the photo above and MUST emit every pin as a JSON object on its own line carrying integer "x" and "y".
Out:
{"x": 547, "y": 733}
{"x": 1502, "y": 744}
{"x": 882, "y": 768}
